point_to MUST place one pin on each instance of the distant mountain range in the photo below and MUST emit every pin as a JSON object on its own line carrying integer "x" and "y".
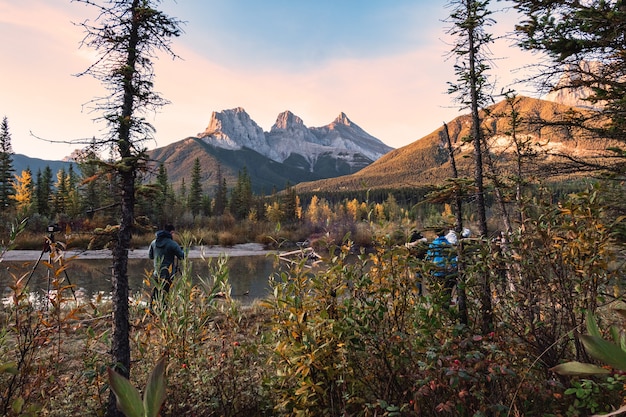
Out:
{"x": 288, "y": 154}
{"x": 23, "y": 162}
{"x": 342, "y": 156}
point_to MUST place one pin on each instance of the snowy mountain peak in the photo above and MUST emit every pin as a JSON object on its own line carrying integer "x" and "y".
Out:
{"x": 289, "y": 137}
{"x": 287, "y": 120}
{"x": 234, "y": 129}
{"x": 571, "y": 92}
{"x": 342, "y": 119}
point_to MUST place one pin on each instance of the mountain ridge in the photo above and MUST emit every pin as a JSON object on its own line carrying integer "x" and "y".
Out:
{"x": 327, "y": 164}
{"x": 288, "y": 154}
{"x": 425, "y": 162}
{"x": 235, "y": 129}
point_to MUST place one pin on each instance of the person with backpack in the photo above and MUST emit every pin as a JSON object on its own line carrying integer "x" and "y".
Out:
{"x": 164, "y": 251}
{"x": 442, "y": 255}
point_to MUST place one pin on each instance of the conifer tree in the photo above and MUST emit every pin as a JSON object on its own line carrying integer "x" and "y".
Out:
{"x": 61, "y": 195}
{"x": 6, "y": 167}
{"x": 290, "y": 205}
{"x": 127, "y": 35}
{"x": 470, "y": 19}
{"x": 43, "y": 191}
{"x": 95, "y": 194}
{"x": 241, "y": 195}
{"x": 221, "y": 193}
{"x": 195, "y": 189}
{"x": 164, "y": 192}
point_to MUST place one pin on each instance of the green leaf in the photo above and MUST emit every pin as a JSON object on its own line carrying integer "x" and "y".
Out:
{"x": 592, "y": 326}
{"x": 9, "y": 367}
{"x": 605, "y": 351}
{"x": 615, "y": 334}
{"x": 128, "y": 398}
{"x": 578, "y": 369}
{"x": 155, "y": 390}
{"x": 17, "y": 405}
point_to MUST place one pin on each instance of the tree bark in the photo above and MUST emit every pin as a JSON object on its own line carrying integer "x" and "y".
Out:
{"x": 120, "y": 348}
{"x": 127, "y": 170}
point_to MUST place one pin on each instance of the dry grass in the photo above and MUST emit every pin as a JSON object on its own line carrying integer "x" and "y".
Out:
{"x": 68, "y": 359}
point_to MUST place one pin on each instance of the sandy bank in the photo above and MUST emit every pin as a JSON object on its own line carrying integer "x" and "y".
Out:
{"x": 245, "y": 249}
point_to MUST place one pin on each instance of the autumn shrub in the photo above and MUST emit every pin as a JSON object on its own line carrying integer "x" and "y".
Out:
{"x": 553, "y": 272}
{"x": 356, "y": 338}
{"x": 209, "y": 370}
{"x": 207, "y": 237}
{"x": 32, "y": 337}
{"x": 226, "y": 238}
{"x": 225, "y": 221}
{"x": 311, "y": 373}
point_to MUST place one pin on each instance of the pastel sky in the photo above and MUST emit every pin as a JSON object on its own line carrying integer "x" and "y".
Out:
{"x": 385, "y": 63}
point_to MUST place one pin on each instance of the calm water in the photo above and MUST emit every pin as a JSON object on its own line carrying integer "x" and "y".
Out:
{"x": 248, "y": 275}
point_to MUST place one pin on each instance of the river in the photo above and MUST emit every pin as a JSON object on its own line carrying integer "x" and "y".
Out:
{"x": 90, "y": 271}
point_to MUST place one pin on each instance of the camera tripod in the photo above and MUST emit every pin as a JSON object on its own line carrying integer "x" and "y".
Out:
{"x": 47, "y": 248}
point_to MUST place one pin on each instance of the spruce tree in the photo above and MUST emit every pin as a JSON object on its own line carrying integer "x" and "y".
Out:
{"x": 195, "y": 189}
{"x": 469, "y": 19}
{"x": 163, "y": 196}
{"x": 62, "y": 193}
{"x": 43, "y": 191}
{"x": 126, "y": 35}
{"x": 241, "y": 195}
{"x": 221, "y": 193}
{"x": 6, "y": 167}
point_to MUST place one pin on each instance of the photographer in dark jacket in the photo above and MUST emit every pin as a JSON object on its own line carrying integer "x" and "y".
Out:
{"x": 164, "y": 251}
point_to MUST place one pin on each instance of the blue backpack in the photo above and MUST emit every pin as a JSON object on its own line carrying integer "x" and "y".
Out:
{"x": 441, "y": 254}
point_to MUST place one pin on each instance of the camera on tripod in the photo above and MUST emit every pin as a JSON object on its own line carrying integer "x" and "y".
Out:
{"x": 53, "y": 228}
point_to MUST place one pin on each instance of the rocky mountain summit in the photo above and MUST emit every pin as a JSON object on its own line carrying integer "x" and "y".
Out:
{"x": 290, "y": 141}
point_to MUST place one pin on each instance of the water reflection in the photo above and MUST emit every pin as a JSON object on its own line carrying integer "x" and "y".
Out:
{"x": 248, "y": 275}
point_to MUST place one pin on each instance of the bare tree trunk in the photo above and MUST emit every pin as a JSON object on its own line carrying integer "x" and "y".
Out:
{"x": 486, "y": 305}
{"x": 120, "y": 348}
{"x": 127, "y": 171}
{"x": 460, "y": 289}
{"x": 455, "y": 174}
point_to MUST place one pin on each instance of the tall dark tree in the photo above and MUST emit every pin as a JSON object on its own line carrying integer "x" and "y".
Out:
{"x": 195, "y": 189}
{"x": 43, "y": 191}
{"x": 241, "y": 195}
{"x": 95, "y": 194}
{"x": 221, "y": 193}
{"x": 6, "y": 167}
{"x": 206, "y": 205}
{"x": 163, "y": 185}
{"x": 290, "y": 204}
{"x": 586, "y": 42}
{"x": 469, "y": 19}
{"x": 62, "y": 193}
{"x": 126, "y": 34}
